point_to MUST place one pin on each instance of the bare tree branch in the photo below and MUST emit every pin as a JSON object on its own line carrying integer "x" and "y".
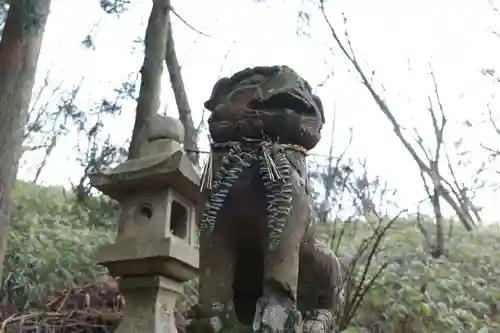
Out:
{"x": 187, "y": 24}
{"x": 428, "y": 168}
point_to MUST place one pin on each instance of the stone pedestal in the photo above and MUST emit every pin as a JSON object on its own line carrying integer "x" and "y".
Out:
{"x": 149, "y": 304}
{"x": 154, "y": 250}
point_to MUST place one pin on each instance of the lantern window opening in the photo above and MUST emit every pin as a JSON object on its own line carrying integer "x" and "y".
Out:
{"x": 179, "y": 219}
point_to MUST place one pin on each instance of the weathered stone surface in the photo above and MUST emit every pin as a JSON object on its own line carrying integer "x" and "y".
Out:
{"x": 162, "y": 163}
{"x": 150, "y": 304}
{"x": 170, "y": 257}
{"x": 154, "y": 171}
{"x": 257, "y": 245}
{"x": 271, "y": 316}
{"x": 160, "y": 147}
{"x": 154, "y": 249}
{"x": 265, "y": 100}
{"x": 164, "y": 127}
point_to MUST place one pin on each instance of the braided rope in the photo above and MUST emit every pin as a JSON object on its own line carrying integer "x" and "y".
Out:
{"x": 278, "y": 192}
{"x": 232, "y": 166}
{"x": 275, "y": 172}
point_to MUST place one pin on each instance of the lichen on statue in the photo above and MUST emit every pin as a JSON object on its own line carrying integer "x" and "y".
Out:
{"x": 258, "y": 253}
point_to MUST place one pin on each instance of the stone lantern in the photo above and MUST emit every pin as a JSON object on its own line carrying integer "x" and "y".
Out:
{"x": 154, "y": 250}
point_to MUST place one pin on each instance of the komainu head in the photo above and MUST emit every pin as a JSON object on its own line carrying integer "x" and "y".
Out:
{"x": 265, "y": 103}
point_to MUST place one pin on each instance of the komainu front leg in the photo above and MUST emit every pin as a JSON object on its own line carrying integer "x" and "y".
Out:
{"x": 276, "y": 311}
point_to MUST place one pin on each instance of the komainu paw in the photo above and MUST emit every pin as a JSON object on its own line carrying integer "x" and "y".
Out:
{"x": 322, "y": 322}
{"x": 272, "y": 317}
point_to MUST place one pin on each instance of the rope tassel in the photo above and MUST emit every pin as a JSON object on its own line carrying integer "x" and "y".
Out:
{"x": 269, "y": 162}
{"x": 230, "y": 171}
{"x": 275, "y": 172}
{"x": 278, "y": 194}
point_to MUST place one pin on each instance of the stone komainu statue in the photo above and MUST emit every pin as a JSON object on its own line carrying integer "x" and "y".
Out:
{"x": 259, "y": 258}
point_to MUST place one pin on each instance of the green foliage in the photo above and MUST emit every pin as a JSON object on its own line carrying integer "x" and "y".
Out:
{"x": 53, "y": 241}
{"x": 416, "y": 293}
{"x": 51, "y": 244}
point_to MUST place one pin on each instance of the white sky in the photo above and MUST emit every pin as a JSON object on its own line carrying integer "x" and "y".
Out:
{"x": 388, "y": 37}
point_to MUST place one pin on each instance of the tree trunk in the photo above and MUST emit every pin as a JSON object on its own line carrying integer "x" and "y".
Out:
{"x": 439, "y": 247}
{"x": 19, "y": 50}
{"x": 151, "y": 71}
{"x": 185, "y": 115}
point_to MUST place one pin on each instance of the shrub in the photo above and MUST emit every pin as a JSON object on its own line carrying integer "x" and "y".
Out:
{"x": 53, "y": 241}
{"x": 51, "y": 245}
{"x": 416, "y": 293}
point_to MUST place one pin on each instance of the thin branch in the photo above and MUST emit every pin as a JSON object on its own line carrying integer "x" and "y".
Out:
{"x": 493, "y": 122}
{"x": 186, "y": 23}
{"x": 420, "y": 142}
{"x": 325, "y": 80}
{"x": 438, "y": 128}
